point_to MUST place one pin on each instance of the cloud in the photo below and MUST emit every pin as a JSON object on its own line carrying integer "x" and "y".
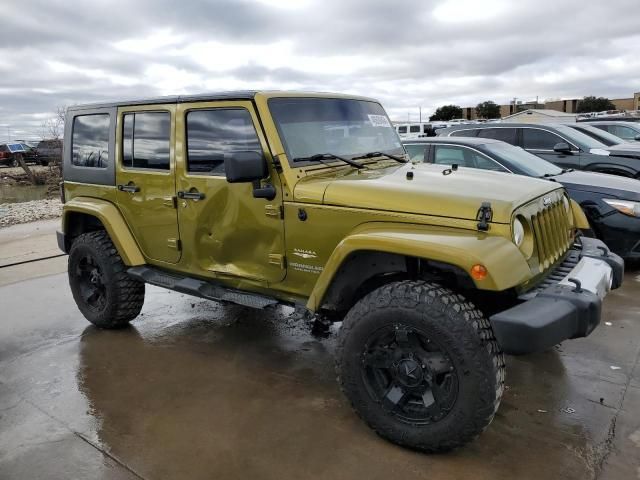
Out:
{"x": 407, "y": 54}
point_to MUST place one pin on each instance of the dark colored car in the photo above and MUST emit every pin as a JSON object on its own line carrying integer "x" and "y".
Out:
{"x": 601, "y": 135}
{"x": 610, "y": 202}
{"x": 628, "y": 131}
{"x": 559, "y": 144}
{"x": 50, "y": 150}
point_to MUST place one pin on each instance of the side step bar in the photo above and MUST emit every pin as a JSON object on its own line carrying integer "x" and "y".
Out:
{"x": 199, "y": 288}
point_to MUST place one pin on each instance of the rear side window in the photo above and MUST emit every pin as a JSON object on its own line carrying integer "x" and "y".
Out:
{"x": 90, "y": 141}
{"x": 214, "y": 134}
{"x": 146, "y": 140}
{"x": 414, "y": 129}
{"x": 625, "y": 133}
{"x": 535, "y": 139}
{"x": 402, "y": 129}
{"x": 464, "y": 133}
{"x": 503, "y": 134}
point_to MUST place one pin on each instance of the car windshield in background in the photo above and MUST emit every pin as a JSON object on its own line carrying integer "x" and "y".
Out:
{"x": 582, "y": 140}
{"x": 522, "y": 160}
{"x": 344, "y": 127}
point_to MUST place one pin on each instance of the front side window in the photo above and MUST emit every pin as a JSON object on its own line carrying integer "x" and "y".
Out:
{"x": 416, "y": 152}
{"x": 503, "y": 134}
{"x": 146, "y": 140}
{"x": 344, "y": 127}
{"x": 536, "y": 139}
{"x": 212, "y": 135}
{"x": 90, "y": 141}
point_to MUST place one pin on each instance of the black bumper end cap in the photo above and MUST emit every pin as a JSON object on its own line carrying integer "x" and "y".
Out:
{"x": 594, "y": 248}
{"x": 62, "y": 244}
{"x": 557, "y": 313}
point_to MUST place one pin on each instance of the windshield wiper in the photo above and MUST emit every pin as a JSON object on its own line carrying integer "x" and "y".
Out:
{"x": 320, "y": 157}
{"x": 381, "y": 154}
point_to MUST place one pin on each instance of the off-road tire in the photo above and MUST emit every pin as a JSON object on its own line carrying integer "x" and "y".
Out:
{"x": 467, "y": 338}
{"x": 124, "y": 296}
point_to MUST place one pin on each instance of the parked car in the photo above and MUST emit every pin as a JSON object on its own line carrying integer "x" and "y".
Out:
{"x": 50, "y": 150}
{"x": 628, "y": 131}
{"x": 610, "y": 202}
{"x": 559, "y": 144}
{"x": 601, "y": 135}
{"x": 9, "y": 154}
{"x": 265, "y": 204}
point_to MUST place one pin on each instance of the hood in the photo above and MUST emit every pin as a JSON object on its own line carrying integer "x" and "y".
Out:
{"x": 624, "y": 149}
{"x": 456, "y": 195}
{"x": 605, "y": 184}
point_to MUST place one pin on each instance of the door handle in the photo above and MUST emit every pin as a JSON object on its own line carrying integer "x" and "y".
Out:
{"x": 191, "y": 195}
{"x": 130, "y": 188}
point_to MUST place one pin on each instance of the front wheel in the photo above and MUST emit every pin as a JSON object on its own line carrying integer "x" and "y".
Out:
{"x": 420, "y": 365}
{"x": 104, "y": 293}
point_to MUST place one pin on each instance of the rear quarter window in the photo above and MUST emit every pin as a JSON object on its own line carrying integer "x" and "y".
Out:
{"x": 90, "y": 141}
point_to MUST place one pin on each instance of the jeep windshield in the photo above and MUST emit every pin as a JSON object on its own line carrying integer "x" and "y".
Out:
{"x": 343, "y": 127}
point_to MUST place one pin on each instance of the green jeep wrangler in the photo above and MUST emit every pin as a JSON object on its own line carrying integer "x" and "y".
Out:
{"x": 267, "y": 198}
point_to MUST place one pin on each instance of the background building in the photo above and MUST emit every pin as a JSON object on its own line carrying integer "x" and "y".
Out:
{"x": 565, "y": 105}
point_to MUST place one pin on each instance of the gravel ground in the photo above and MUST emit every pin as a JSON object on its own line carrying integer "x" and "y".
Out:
{"x": 14, "y": 213}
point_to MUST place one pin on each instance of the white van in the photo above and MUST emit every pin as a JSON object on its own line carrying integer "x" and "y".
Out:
{"x": 414, "y": 130}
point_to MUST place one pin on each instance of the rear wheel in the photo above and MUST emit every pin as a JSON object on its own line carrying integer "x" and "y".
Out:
{"x": 103, "y": 291}
{"x": 420, "y": 365}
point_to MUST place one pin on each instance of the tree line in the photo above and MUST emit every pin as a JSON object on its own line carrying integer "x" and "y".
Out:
{"x": 490, "y": 109}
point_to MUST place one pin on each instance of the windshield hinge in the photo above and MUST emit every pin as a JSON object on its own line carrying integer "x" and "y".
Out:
{"x": 274, "y": 211}
{"x": 484, "y": 216}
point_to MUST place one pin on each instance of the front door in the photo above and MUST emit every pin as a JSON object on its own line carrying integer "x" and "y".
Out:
{"x": 541, "y": 142}
{"x": 145, "y": 178}
{"x": 225, "y": 232}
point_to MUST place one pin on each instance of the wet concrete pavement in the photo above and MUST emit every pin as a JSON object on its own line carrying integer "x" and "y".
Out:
{"x": 195, "y": 389}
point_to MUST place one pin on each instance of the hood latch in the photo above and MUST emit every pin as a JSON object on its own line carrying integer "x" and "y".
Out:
{"x": 484, "y": 216}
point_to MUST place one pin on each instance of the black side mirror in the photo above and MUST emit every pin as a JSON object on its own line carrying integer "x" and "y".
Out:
{"x": 245, "y": 167}
{"x": 562, "y": 147}
{"x": 637, "y": 138}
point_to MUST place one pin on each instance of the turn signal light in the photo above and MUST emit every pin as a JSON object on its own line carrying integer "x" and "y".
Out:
{"x": 479, "y": 272}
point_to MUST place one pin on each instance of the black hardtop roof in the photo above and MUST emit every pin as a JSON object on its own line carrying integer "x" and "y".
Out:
{"x": 459, "y": 140}
{"x": 204, "y": 97}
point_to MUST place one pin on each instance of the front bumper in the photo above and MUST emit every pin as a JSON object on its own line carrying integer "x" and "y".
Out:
{"x": 566, "y": 305}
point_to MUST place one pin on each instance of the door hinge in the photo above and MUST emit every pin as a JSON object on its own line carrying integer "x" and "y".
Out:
{"x": 171, "y": 202}
{"x": 277, "y": 259}
{"x": 274, "y": 211}
{"x": 174, "y": 243}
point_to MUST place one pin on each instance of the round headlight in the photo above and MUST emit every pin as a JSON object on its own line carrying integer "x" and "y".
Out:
{"x": 518, "y": 232}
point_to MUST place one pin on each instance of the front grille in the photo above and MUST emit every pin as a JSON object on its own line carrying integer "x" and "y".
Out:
{"x": 552, "y": 232}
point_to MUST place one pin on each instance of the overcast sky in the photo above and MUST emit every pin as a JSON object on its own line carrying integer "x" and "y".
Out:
{"x": 406, "y": 54}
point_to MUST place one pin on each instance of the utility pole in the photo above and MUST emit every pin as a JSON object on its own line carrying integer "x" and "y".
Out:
{"x": 420, "y": 112}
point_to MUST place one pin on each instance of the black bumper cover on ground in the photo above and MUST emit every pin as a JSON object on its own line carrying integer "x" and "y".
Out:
{"x": 556, "y": 313}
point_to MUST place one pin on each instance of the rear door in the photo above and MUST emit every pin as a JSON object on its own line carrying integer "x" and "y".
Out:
{"x": 145, "y": 178}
